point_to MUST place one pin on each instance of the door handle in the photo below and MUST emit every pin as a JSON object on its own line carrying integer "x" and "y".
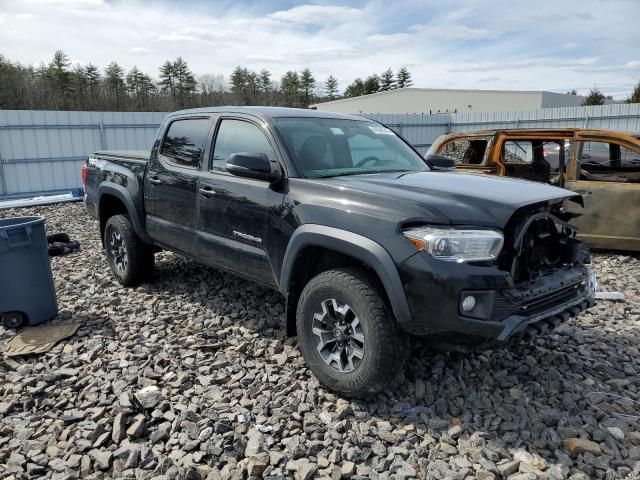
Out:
{"x": 207, "y": 191}
{"x": 155, "y": 181}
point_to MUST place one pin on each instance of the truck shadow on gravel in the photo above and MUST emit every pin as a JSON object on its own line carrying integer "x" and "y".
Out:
{"x": 529, "y": 395}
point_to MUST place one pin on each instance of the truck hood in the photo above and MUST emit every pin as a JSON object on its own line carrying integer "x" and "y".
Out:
{"x": 447, "y": 197}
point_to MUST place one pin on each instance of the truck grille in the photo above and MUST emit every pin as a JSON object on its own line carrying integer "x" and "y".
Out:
{"x": 539, "y": 299}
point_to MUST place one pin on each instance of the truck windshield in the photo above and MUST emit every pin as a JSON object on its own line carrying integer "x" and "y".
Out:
{"x": 325, "y": 147}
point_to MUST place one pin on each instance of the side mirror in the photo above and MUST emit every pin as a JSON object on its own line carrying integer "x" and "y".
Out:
{"x": 440, "y": 162}
{"x": 251, "y": 165}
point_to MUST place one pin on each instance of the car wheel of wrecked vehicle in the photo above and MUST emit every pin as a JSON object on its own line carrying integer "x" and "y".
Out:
{"x": 347, "y": 335}
{"x": 130, "y": 259}
{"x": 14, "y": 320}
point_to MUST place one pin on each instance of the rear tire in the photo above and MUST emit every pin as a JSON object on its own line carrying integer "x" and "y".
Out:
{"x": 347, "y": 334}
{"x": 130, "y": 259}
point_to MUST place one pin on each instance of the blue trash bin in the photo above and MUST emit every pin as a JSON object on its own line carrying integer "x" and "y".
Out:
{"x": 27, "y": 294}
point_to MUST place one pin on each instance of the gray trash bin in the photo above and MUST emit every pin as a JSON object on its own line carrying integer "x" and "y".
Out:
{"x": 27, "y": 294}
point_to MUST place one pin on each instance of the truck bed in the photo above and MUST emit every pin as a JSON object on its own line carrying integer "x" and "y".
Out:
{"x": 127, "y": 154}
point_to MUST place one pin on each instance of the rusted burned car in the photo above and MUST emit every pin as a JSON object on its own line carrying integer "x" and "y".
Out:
{"x": 602, "y": 165}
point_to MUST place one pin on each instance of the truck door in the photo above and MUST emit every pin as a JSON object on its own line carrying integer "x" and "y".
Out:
{"x": 606, "y": 171}
{"x": 170, "y": 185}
{"x": 240, "y": 218}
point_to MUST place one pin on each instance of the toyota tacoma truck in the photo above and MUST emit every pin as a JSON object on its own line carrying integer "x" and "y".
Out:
{"x": 368, "y": 242}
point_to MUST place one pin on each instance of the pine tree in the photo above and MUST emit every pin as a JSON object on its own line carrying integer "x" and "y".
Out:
{"x": 372, "y": 84}
{"x": 240, "y": 84}
{"x": 265, "y": 86}
{"x": 331, "y": 87}
{"x": 289, "y": 86}
{"x": 595, "y": 97}
{"x": 387, "y": 82}
{"x": 355, "y": 89}
{"x": 307, "y": 84}
{"x": 59, "y": 78}
{"x": 185, "y": 82}
{"x": 92, "y": 74}
{"x": 80, "y": 86}
{"x": 403, "y": 78}
{"x": 168, "y": 79}
{"x": 635, "y": 95}
{"x": 114, "y": 84}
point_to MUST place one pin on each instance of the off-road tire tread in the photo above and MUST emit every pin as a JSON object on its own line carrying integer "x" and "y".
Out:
{"x": 392, "y": 347}
{"x": 141, "y": 257}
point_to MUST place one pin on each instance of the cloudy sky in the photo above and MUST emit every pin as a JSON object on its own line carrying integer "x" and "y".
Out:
{"x": 491, "y": 44}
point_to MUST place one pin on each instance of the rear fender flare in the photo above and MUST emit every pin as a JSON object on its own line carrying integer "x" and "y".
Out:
{"x": 123, "y": 195}
{"x": 361, "y": 248}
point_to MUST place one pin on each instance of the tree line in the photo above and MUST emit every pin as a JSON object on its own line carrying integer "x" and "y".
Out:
{"x": 59, "y": 85}
{"x": 597, "y": 96}
{"x": 379, "y": 83}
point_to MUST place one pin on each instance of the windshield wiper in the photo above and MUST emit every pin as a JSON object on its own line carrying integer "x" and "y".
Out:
{"x": 344, "y": 174}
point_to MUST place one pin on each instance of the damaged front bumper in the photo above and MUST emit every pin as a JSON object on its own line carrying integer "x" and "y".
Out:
{"x": 436, "y": 292}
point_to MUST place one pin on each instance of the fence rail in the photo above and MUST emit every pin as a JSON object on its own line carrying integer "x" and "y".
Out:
{"x": 42, "y": 151}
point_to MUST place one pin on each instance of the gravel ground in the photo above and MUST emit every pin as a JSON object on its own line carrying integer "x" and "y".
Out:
{"x": 191, "y": 376}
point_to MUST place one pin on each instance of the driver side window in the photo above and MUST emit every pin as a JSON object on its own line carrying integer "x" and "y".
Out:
{"x": 236, "y": 136}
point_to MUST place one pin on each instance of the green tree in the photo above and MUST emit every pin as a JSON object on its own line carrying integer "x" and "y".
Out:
{"x": 403, "y": 78}
{"x": 355, "y": 89}
{"x": 114, "y": 85}
{"x": 387, "y": 81}
{"x": 59, "y": 78}
{"x": 307, "y": 84}
{"x": 140, "y": 87}
{"x": 80, "y": 87}
{"x": 635, "y": 95}
{"x": 289, "y": 87}
{"x": 185, "y": 82}
{"x": 331, "y": 87}
{"x": 265, "y": 86}
{"x": 372, "y": 84}
{"x": 595, "y": 97}
{"x": 168, "y": 79}
{"x": 92, "y": 75}
{"x": 240, "y": 84}
{"x": 572, "y": 92}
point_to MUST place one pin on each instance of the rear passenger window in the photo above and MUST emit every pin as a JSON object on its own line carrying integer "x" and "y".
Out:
{"x": 466, "y": 152}
{"x": 235, "y": 136}
{"x": 185, "y": 140}
{"x": 609, "y": 162}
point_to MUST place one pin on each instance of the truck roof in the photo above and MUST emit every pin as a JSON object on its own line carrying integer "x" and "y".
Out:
{"x": 270, "y": 112}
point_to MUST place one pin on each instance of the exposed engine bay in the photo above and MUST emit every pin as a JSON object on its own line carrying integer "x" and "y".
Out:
{"x": 539, "y": 241}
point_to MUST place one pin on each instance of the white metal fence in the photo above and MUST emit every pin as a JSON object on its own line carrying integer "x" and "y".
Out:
{"x": 42, "y": 151}
{"x": 422, "y": 130}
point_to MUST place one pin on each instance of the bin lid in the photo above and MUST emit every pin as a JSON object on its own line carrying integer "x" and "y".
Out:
{"x": 6, "y": 223}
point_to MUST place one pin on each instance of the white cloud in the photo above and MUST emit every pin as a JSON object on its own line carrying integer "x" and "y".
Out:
{"x": 457, "y": 44}
{"x": 140, "y": 50}
{"x": 317, "y": 14}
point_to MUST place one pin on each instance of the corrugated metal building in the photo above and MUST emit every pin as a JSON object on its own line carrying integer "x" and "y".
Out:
{"x": 436, "y": 100}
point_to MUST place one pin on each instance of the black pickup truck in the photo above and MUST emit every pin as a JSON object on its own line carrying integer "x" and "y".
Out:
{"x": 367, "y": 241}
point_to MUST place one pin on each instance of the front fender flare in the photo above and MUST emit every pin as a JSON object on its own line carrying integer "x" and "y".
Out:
{"x": 362, "y": 248}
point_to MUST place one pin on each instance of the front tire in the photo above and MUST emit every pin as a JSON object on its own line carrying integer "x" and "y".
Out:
{"x": 130, "y": 259}
{"x": 347, "y": 334}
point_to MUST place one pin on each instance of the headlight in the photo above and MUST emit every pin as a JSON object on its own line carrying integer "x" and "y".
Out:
{"x": 456, "y": 245}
